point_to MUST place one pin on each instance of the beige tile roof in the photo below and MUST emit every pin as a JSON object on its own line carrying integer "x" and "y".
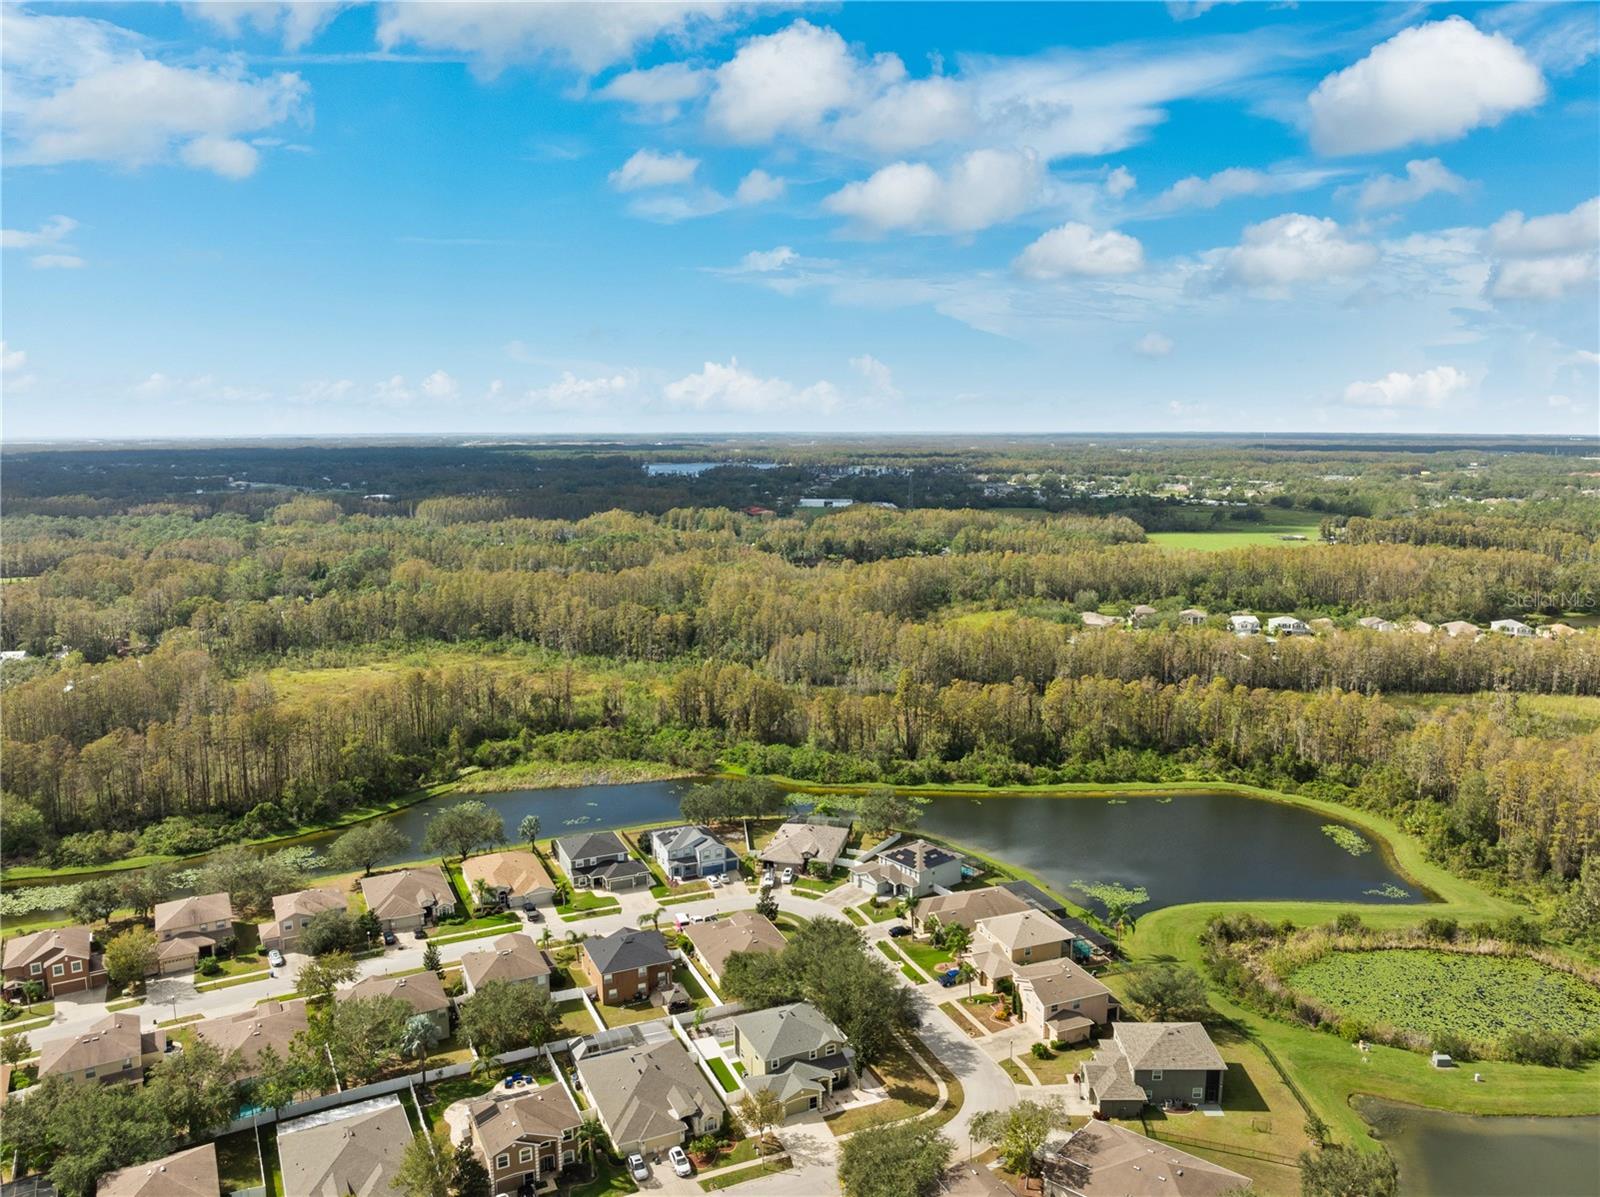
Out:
{"x": 1024, "y": 929}
{"x": 969, "y": 906}
{"x": 354, "y": 1149}
{"x": 250, "y": 1032}
{"x": 401, "y": 894}
{"x": 106, "y": 1044}
{"x": 1101, "y": 1159}
{"x": 306, "y": 902}
{"x": 510, "y": 958}
{"x": 183, "y": 947}
{"x": 43, "y": 947}
{"x": 504, "y": 1119}
{"x": 742, "y": 931}
{"x": 181, "y": 914}
{"x": 423, "y": 992}
{"x": 517, "y": 870}
{"x": 1057, "y": 981}
{"x": 191, "y": 1173}
{"x": 1176, "y": 1045}
{"x": 644, "y": 1094}
{"x": 796, "y": 843}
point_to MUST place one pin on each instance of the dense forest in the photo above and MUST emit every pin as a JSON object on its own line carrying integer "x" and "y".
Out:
{"x": 158, "y": 708}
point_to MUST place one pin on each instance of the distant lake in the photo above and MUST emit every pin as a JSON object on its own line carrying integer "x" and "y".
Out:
{"x": 1201, "y": 847}
{"x": 691, "y": 469}
{"x": 1459, "y": 1155}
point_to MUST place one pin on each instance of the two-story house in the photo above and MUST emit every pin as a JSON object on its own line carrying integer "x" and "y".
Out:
{"x": 423, "y": 992}
{"x": 600, "y": 860}
{"x": 189, "y": 928}
{"x": 110, "y": 1051}
{"x": 292, "y": 914}
{"x": 250, "y": 1032}
{"x": 1005, "y": 942}
{"x": 627, "y": 966}
{"x": 1062, "y": 1002}
{"x": 409, "y": 898}
{"x": 191, "y": 1173}
{"x": 911, "y": 870}
{"x": 689, "y": 852}
{"x": 1101, "y": 1158}
{"x": 1155, "y": 1063}
{"x": 968, "y": 907}
{"x": 63, "y": 960}
{"x": 650, "y": 1098}
{"x": 513, "y": 958}
{"x": 524, "y": 1135}
{"x": 355, "y": 1150}
{"x": 794, "y": 1051}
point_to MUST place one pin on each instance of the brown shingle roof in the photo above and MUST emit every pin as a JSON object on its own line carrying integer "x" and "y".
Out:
{"x": 181, "y": 914}
{"x": 402, "y": 894}
{"x": 1057, "y": 981}
{"x": 511, "y": 958}
{"x": 797, "y": 843}
{"x": 43, "y": 947}
{"x": 250, "y": 1032}
{"x": 539, "y": 1115}
{"x": 355, "y": 1149}
{"x": 116, "y": 1038}
{"x": 969, "y": 907}
{"x": 742, "y": 931}
{"x": 1101, "y": 1159}
{"x": 517, "y": 870}
{"x": 423, "y": 992}
{"x": 191, "y": 1173}
{"x": 1024, "y": 929}
{"x": 305, "y": 902}
{"x": 1179, "y": 1046}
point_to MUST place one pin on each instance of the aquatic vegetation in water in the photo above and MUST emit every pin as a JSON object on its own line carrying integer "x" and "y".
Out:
{"x": 1116, "y": 802}
{"x": 1349, "y": 839}
{"x": 1388, "y": 890}
{"x": 1165, "y": 800}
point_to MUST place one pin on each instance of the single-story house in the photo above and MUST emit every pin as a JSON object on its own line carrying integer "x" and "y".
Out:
{"x": 1191, "y": 617}
{"x": 795, "y": 845}
{"x": 110, "y": 1051}
{"x": 1457, "y": 628}
{"x": 1420, "y": 627}
{"x": 1061, "y": 1001}
{"x": 1102, "y": 1159}
{"x": 1093, "y": 619}
{"x": 515, "y": 877}
{"x": 600, "y": 860}
{"x": 1140, "y": 613}
{"x": 1557, "y": 631}
{"x": 1510, "y": 627}
{"x": 741, "y": 931}
{"x": 911, "y": 870}
{"x": 423, "y": 992}
{"x": 189, "y": 928}
{"x": 1244, "y": 624}
{"x": 1374, "y": 623}
{"x": 1287, "y": 625}
{"x": 409, "y": 898}
{"x": 688, "y": 853}
{"x": 63, "y": 960}
{"x": 348, "y": 1151}
{"x": 191, "y": 1173}
{"x": 968, "y": 907}
{"x": 794, "y": 1051}
{"x": 525, "y": 1136}
{"x": 651, "y": 1098}
{"x": 1152, "y": 1063}
{"x": 292, "y": 914}
{"x": 250, "y": 1032}
{"x": 628, "y": 965}
{"x": 514, "y": 958}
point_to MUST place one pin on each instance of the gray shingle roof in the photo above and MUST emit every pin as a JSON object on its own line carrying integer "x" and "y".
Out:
{"x": 1176, "y": 1045}
{"x": 627, "y": 949}
{"x": 350, "y": 1149}
{"x": 592, "y": 843}
{"x": 782, "y": 1031}
{"x": 646, "y": 1094}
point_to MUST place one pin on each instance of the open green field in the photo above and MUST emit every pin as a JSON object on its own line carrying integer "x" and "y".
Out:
{"x": 1243, "y": 535}
{"x": 1479, "y": 996}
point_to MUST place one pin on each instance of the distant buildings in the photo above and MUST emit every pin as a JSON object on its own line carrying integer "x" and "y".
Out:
{"x": 1510, "y": 627}
{"x": 825, "y": 503}
{"x": 1244, "y": 624}
{"x": 1093, "y": 619}
{"x": 1287, "y": 625}
{"x": 1457, "y": 628}
{"x": 1191, "y": 617}
{"x": 1374, "y": 624}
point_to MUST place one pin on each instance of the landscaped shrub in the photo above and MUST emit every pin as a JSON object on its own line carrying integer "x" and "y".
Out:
{"x": 210, "y": 966}
{"x": 1041, "y": 1052}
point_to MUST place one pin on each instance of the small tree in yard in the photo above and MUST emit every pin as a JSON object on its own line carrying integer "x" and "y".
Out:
{"x": 94, "y": 901}
{"x": 502, "y": 1016}
{"x": 416, "y": 1041}
{"x": 1017, "y": 1133}
{"x": 370, "y": 926}
{"x": 322, "y": 975}
{"x": 767, "y": 906}
{"x": 428, "y": 1167}
{"x": 902, "y": 1159}
{"x": 131, "y": 956}
{"x": 472, "y": 1178}
{"x": 1169, "y": 993}
{"x": 957, "y": 939}
{"x": 14, "y": 1048}
{"x": 590, "y": 1139}
{"x": 432, "y": 961}
{"x": 760, "y": 1110}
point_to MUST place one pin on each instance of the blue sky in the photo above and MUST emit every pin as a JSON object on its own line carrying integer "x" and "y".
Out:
{"x": 541, "y": 218}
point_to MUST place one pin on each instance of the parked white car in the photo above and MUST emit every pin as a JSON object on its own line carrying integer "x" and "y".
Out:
{"x": 637, "y": 1168}
{"x": 788, "y": 876}
{"x": 680, "y": 1162}
{"x": 716, "y": 881}
{"x": 275, "y": 958}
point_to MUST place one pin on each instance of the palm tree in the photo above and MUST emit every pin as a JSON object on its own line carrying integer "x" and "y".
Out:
{"x": 591, "y": 1138}
{"x": 416, "y": 1041}
{"x": 653, "y": 918}
{"x": 528, "y": 829}
{"x": 966, "y": 973}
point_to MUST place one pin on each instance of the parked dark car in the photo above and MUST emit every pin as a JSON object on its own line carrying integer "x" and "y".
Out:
{"x": 899, "y": 931}
{"x": 421, "y": 933}
{"x": 948, "y": 979}
{"x": 534, "y": 916}
{"x": 389, "y": 939}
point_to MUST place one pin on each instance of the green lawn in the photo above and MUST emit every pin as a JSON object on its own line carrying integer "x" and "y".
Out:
{"x": 1058, "y": 1069}
{"x": 739, "y": 1175}
{"x": 1236, "y": 536}
{"x": 1014, "y": 1071}
{"x": 855, "y": 916}
{"x": 586, "y": 900}
{"x": 444, "y": 1094}
{"x": 238, "y": 1162}
{"x": 621, "y": 1016}
{"x": 724, "y": 1076}
{"x": 611, "y": 1180}
{"x": 924, "y": 955}
{"x": 910, "y": 1089}
{"x": 575, "y": 1018}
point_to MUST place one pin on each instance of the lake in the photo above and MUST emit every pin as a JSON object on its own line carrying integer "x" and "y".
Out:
{"x": 693, "y": 469}
{"x": 1182, "y": 848}
{"x": 1458, "y": 1155}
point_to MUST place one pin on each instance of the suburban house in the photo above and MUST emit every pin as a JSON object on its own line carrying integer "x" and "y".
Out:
{"x": 423, "y": 992}
{"x": 1557, "y": 631}
{"x": 191, "y": 1173}
{"x": 1510, "y": 627}
{"x": 627, "y": 965}
{"x": 911, "y": 870}
{"x": 651, "y": 1098}
{"x": 514, "y": 878}
{"x": 63, "y": 960}
{"x": 1191, "y": 617}
{"x": 1375, "y": 623}
{"x": 793, "y": 1051}
{"x": 1457, "y": 628}
{"x": 796, "y": 845}
{"x": 1061, "y": 1001}
{"x": 1152, "y": 1062}
{"x": 1087, "y": 944}
{"x": 1287, "y": 625}
{"x": 524, "y": 1135}
{"x": 292, "y": 914}
{"x": 968, "y": 907}
{"x": 689, "y": 852}
{"x": 110, "y": 1051}
{"x": 513, "y": 958}
{"x": 348, "y": 1151}
{"x": 600, "y": 860}
{"x": 741, "y": 931}
{"x": 1420, "y": 627}
{"x": 1102, "y": 1159}
{"x": 1244, "y": 624}
{"x": 250, "y": 1032}
{"x": 189, "y": 928}
{"x": 409, "y": 898}
{"x": 1006, "y": 941}
{"x": 1093, "y": 619}
{"x": 1141, "y": 613}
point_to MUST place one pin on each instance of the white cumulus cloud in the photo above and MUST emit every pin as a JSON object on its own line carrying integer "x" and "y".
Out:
{"x": 659, "y": 92}
{"x": 440, "y": 385}
{"x": 1076, "y": 249}
{"x": 982, "y": 188}
{"x": 1429, "y": 389}
{"x": 572, "y": 393}
{"x": 1153, "y": 344}
{"x": 758, "y": 187}
{"x": 1546, "y": 257}
{"x": 732, "y": 388}
{"x": 1294, "y": 248}
{"x": 879, "y": 377}
{"x": 764, "y": 261}
{"x": 647, "y": 168}
{"x": 1233, "y": 183}
{"x": 296, "y": 23}
{"x": 1119, "y": 182}
{"x": 51, "y": 232}
{"x": 1424, "y": 176}
{"x": 57, "y": 262}
{"x": 1429, "y": 83}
